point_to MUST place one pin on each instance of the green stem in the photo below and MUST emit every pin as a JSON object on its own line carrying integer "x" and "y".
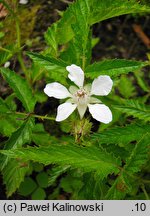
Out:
{"x": 32, "y": 115}
{"x": 145, "y": 192}
{"x": 4, "y": 49}
{"x": 83, "y": 62}
{"x": 20, "y": 59}
{"x": 146, "y": 181}
{"x": 18, "y": 34}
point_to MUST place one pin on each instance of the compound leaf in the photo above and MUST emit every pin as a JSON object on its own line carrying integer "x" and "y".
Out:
{"x": 89, "y": 158}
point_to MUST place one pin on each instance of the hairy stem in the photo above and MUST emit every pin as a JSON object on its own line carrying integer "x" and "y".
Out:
{"x": 26, "y": 115}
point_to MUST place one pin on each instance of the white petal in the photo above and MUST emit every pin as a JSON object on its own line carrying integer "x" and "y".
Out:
{"x": 76, "y": 74}
{"x": 94, "y": 100}
{"x": 23, "y": 1}
{"x": 7, "y": 64}
{"x": 101, "y": 85}
{"x": 56, "y": 90}
{"x": 73, "y": 89}
{"x": 100, "y": 112}
{"x": 64, "y": 111}
{"x": 82, "y": 109}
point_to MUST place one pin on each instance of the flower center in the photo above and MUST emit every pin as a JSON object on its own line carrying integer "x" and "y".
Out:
{"x": 81, "y": 97}
{"x": 81, "y": 93}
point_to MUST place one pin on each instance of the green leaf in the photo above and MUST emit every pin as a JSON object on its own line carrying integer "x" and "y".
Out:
{"x": 20, "y": 136}
{"x": 122, "y": 86}
{"x": 5, "y": 55}
{"x": 27, "y": 186}
{"x": 48, "y": 62}
{"x": 142, "y": 83}
{"x": 102, "y": 10}
{"x": 42, "y": 179}
{"x": 20, "y": 87}
{"x": 12, "y": 170}
{"x": 93, "y": 189}
{"x": 55, "y": 68}
{"x": 134, "y": 108}
{"x": 51, "y": 38}
{"x": 55, "y": 172}
{"x": 39, "y": 194}
{"x": 97, "y": 11}
{"x": 138, "y": 157}
{"x": 87, "y": 158}
{"x": 13, "y": 174}
{"x": 8, "y": 123}
{"x": 82, "y": 35}
{"x": 122, "y": 135}
{"x": 41, "y": 137}
{"x": 113, "y": 67}
{"x": 70, "y": 183}
{"x": 64, "y": 29}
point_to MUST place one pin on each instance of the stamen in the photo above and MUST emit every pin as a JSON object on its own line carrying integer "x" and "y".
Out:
{"x": 81, "y": 93}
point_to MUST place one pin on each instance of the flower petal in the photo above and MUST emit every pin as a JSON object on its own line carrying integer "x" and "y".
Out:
{"x": 82, "y": 109}
{"x": 7, "y": 64}
{"x": 101, "y": 113}
{"x": 101, "y": 85}
{"x": 76, "y": 74}
{"x": 73, "y": 89}
{"x": 94, "y": 100}
{"x": 56, "y": 90}
{"x": 64, "y": 111}
{"x": 23, "y": 1}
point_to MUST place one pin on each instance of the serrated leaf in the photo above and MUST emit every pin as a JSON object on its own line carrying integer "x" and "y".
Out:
{"x": 113, "y": 67}
{"x": 21, "y": 136}
{"x": 41, "y": 137}
{"x": 142, "y": 83}
{"x": 86, "y": 158}
{"x": 55, "y": 172}
{"x": 120, "y": 188}
{"x": 12, "y": 170}
{"x": 125, "y": 91}
{"x": 135, "y": 108}
{"x": 122, "y": 135}
{"x": 123, "y": 184}
{"x": 56, "y": 68}
{"x": 48, "y": 62}
{"x": 102, "y": 10}
{"x": 92, "y": 189}
{"x": 20, "y": 87}
{"x": 6, "y": 55}
{"x": 18, "y": 138}
{"x": 64, "y": 29}
{"x": 82, "y": 35}
{"x": 99, "y": 11}
{"x": 8, "y": 123}
{"x": 51, "y": 38}
{"x": 13, "y": 174}
{"x": 139, "y": 155}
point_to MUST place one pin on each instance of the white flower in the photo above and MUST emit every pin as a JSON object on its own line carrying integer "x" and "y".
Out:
{"x": 7, "y": 64}
{"x": 23, "y": 1}
{"x": 80, "y": 96}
